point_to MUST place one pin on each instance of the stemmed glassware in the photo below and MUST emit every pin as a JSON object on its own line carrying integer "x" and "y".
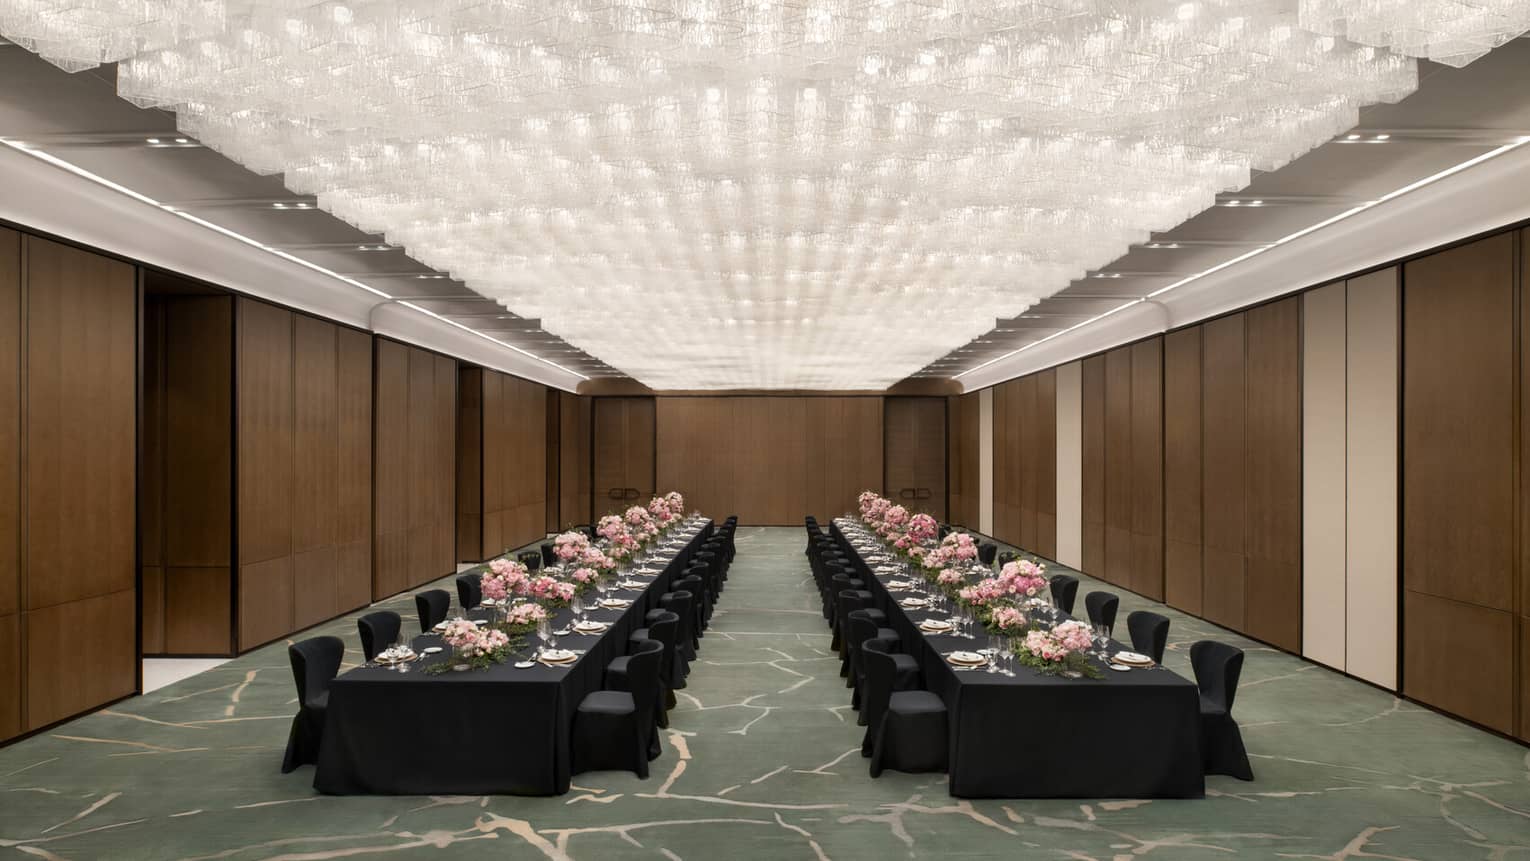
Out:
{"x": 1102, "y": 641}
{"x": 544, "y": 634}
{"x": 577, "y": 605}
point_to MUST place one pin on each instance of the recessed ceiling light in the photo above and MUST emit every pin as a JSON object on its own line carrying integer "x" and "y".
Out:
{"x": 1232, "y": 203}
{"x": 278, "y": 206}
{"x": 1352, "y": 137}
{"x": 302, "y": 206}
{"x": 152, "y": 140}
{"x": 1256, "y": 203}
{"x": 182, "y": 140}
{"x": 1383, "y": 137}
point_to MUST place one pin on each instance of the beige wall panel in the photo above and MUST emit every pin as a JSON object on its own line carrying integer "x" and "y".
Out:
{"x": 1323, "y": 471}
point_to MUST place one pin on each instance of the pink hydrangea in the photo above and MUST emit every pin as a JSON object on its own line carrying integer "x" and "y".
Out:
{"x": 568, "y": 545}
{"x": 583, "y": 575}
{"x": 950, "y": 577}
{"x": 1008, "y": 619}
{"x": 922, "y": 528}
{"x": 525, "y": 614}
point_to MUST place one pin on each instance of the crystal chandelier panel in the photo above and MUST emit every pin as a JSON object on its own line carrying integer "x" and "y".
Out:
{"x": 1453, "y": 32}
{"x": 743, "y": 193}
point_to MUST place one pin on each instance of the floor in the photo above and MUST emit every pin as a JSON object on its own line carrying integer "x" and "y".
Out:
{"x": 761, "y": 762}
{"x": 164, "y": 672}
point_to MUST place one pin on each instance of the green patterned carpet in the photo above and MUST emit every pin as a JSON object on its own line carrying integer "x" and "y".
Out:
{"x": 762, "y": 762}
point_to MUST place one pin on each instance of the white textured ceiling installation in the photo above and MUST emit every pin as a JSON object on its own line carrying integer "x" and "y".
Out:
{"x": 712, "y": 194}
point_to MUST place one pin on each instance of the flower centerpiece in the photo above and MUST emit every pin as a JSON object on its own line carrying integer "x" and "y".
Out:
{"x": 1009, "y": 621}
{"x": 504, "y": 578}
{"x": 549, "y": 591}
{"x": 1059, "y": 650}
{"x": 569, "y": 545}
{"x": 473, "y": 647}
{"x": 523, "y": 618}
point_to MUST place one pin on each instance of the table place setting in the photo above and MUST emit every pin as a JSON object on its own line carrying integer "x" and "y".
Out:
{"x": 614, "y": 603}
{"x": 558, "y": 657}
{"x": 936, "y": 626}
{"x": 395, "y": 656}
{"x": 590, "y": 627}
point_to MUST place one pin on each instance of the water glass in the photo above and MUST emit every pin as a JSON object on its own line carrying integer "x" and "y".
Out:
{"x": 577, "y": 605}
{"x": 544, "y": 633}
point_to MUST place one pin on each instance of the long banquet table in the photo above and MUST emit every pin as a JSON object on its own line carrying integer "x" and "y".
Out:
{"x": 1130, "y": 734}
{"x": 496, "y": 731}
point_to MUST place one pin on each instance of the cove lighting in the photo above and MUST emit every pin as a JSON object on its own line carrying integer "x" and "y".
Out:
{"x": 23, "y": 147}
{"x": 1392, "y": 195}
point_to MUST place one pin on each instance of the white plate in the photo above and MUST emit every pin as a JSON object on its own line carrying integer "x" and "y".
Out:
{"x": 1121, "y": 668}
{"x": 1132, "y": 658}
{"x": 615, "y": 604}
{"x": 480, "y": 621}
{"x": 430, "y": 650}
{"x": 966, "y": 659}
{"x": 934, "y": 625}
{"x": 592, "y": 628}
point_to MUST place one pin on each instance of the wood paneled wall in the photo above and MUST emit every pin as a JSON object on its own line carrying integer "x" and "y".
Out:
{"x": 770, "y": 460}
{"x": 502, "y": 453}
{"x": 1123, "y": 486}
{"x": 964, "y": 480}
{"x": 1025, "y": 462}
{"x": 623, "y": 464}
{"x": 574, "y": 452}
{"x": 415, "y": 461}
{"x": 304, "y": 420}
{"x": 1463, "y": 562}
{"x": 186, "y": 512}
{"x": 914, "y": 463}
{"x": 1232, "y": 497}
{"x": 68, "y": 373}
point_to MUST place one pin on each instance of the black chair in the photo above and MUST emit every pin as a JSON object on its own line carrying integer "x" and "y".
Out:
{"x": 862, "y": 628}
{"x": 692, "y": 583}
{"x": 469, "y": 591}
{"x": 679, "y": 602}
{"x": 1101, "y": 607}
{"x": 1217, "y": 667}
{"x": 1064, "y": 591}
{"x": 589, "y": 532}
{"x": 987, "y": 552}
{"x": 663, "y": 626}
{"x": 379, "y": 630}
{"x": 432, "y": 606}
{"x": 1150, "y": 633}
{"x": 1007, "y": 557}
{"x": 905, "y": 730}
{"x": 615, "y": 730}
{"x": 532, "y": 559}
{"x": 850, "y": 601}
{"x": 315, "y": 663}
{"x": 549, "y": 555}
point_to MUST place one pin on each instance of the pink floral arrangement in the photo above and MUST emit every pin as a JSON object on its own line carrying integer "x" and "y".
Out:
{"x": 676, "y": 502}
{"x": 1057, "y": 644}
{"x": 583, "y": 575}
{"x": 459, "y": 632}
{"x": 1008, "y": 619}
{"x": 1025, "y": 579}
{"x": 895, "y": 516}
{"x": 548, "y": 589}
{"x": 983, "y": 593}
{"x": 525, "y": 614}
{"x": 960, "y": 546}
{"x": 950, "y": 577}
{"x": 568, "y": 545}
{"x": 636, "y": 515}
{"x": 504, "y": 577}
{"x": 594, "y": 557}
{"x": 875, "y": 510}
{"x": 922, "y": 528}
{"x": 611, "y": 527}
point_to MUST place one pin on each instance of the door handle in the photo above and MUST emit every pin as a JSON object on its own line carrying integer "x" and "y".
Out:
{"x": 908, "y": 493}
{"x": 922, "y": 493}
{"x": 632, "y": 493}
{"x": 617, "y": 493}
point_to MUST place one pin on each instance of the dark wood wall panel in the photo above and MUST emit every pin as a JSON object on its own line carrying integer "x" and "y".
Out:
{"x": 1044, "y": 464}
{"x": 622, "y": 438}
{"x": 1182, "y": 470}
{"x": 1147, "y": 469}
{"x": 414, "y": 495}
{"x": 1092, "y": 418}
{"x": 353, "y": 526}
{"x": 1523, "y": 626}
{"x": 1023, "y": 455}
{"x": 1118, "y": 468}
{"x": 267, "y": 472}
{"x": 1273, "y": 474}
{"x": 186, "y": 485}
{"x": 1458, "y": 491}
{"x": 80, "y": 418}
{"x": 1223, "y": 487}
{"x": 770, "y": 460}
{"x": 1006, "y": 445}
{"x": 915, "y": 456}
{"x": 964, "y": 441}
{"x": 573, "y": 460}
{"x": 501, "y": 463}
{"x": 11, "y": 687}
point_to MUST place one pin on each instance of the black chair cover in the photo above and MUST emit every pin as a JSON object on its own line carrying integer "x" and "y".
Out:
{"x": 692, "y": 583}
{"x": 662, "y": 627}
{"x": 378, "y": 630}
{"x": 315, "y": 663}
{"x": 532, "y": 559}
{"x": 987, "y": 552}
{"x": 616, "y": 729}
{"x": 549, "y": 557}
{"x": 1217, "y": 667}
{"x": 1007, "y": 557}
{"x": 469, "y": 591}
{"x": 680, "y": 602}
{"x": 1064, "y": 591}
{"x": 907, "y": 729}
{"x": 1150, "y": 633}
{"x": 1102, "y": 607}
{"x": 432, "y": 605}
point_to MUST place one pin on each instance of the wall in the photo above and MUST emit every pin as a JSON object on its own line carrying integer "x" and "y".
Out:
{"x": 304, "y": 416}
{"x": 1463, "y": 495}
{"x": 914, "y": 461}
{"x": 414, "y": 472}
{"x": 502, "y": 451}
{"x": 574, "y": 450}
{"x": 1025, "y": 462}
{"x": 964, "y": 485}
{"x": 622, "y": 459}
{"x": 68, "y": 625}
{"x": 770, "y": 460}
{"x": 185, "y": 506}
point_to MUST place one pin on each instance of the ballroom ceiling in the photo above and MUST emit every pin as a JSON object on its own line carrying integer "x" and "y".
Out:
{"x": 832, "y": 194}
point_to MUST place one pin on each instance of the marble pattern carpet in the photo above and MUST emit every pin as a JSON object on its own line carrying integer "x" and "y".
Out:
{"x": 762, "y": 761}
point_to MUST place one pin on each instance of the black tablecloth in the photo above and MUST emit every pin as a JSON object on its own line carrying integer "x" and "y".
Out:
{"x": 497, "y": 731}
{"x": 1128, "y": 735}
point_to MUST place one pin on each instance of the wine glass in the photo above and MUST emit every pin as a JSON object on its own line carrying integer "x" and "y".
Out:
{"x": 1102, "y": 641}
{"x": 544, "y": 634}
{"x": 577, "y": 605}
